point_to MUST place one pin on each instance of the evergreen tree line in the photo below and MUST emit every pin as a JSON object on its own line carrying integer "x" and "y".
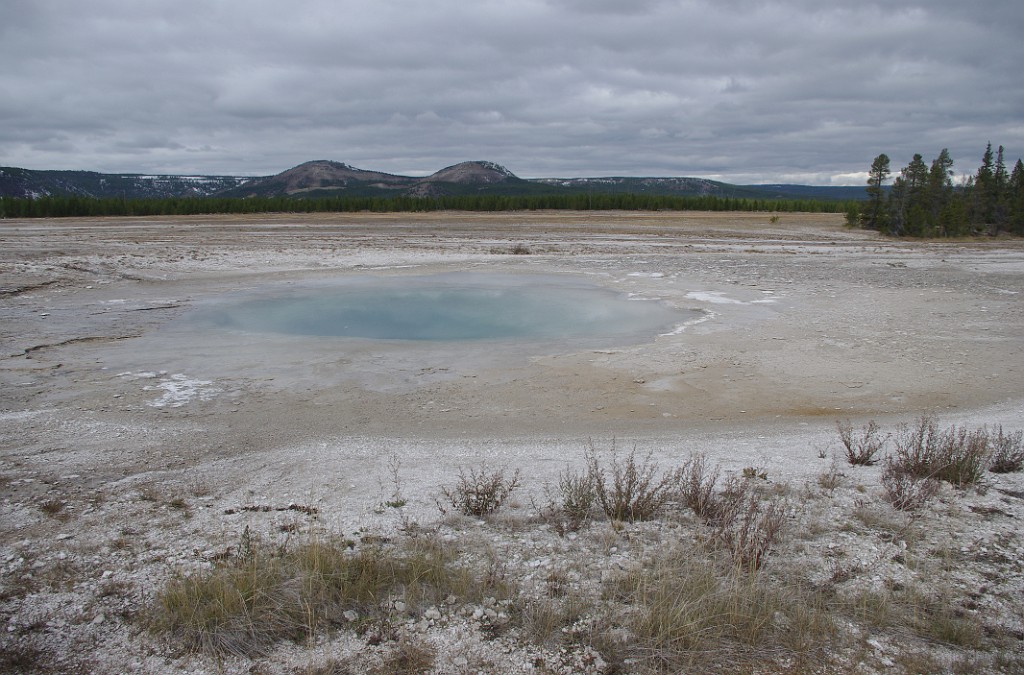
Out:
{"x": 67, "y": 206}
{"x": 924, "y": 202}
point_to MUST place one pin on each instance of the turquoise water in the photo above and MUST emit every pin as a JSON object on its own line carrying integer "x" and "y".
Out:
{"x": 452, "y": 307}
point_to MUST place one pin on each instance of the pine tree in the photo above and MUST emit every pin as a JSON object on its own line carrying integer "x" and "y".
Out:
{"x": 1001, "y": 196}
{"x": 875, "y": 215}
{"x": 983, "y": 206}
{"x": 1016, "y": 200}
{"x": 940, "y": 190}
{"x": 915, "y": 217}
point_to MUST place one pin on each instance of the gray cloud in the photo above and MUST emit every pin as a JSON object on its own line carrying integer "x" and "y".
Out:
{"x": 743, "y": 90}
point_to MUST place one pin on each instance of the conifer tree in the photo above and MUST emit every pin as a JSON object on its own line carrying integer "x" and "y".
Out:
{"x": 875, "y": 215}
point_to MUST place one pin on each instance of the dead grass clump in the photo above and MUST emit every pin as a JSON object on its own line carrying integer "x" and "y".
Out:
{"x": 54, "y": 508}
{"x": 548, "y": 621}
{"x": 630, "y": 490}
{"x": 934, "y": 617}
{"x": 863, "y": 447}
{"x": 692, "y": 613}
{"x": 1007, "y": 451}
{"x": 830, "y": 480}
{"x": 409, "y": 656}
{"x": 479, "y": 492}
{"x": 246, "y": 604}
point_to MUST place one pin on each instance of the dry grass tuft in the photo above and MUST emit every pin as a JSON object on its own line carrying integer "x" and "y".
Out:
{"x": 244, "y": 605}
{"x": 409, "y": 656}
{"x": 54, "y": 508}
{"x": 695, "y": 613}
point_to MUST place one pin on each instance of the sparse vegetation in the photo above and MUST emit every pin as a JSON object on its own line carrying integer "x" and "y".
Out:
{"x": 55, "y": 508}
{"x": 1007, "y": 451}
{"x": 408, "y": 657}
{"x": 955, "y": 455}
{"x": 652, "y": 592}
{"x": 572, "y": 504}
{"x": 696, "y": 486}
{"x": 693, "y": 612}
{"x": 755, "y": 472}
{"x": 479, "y": 492}
{"x": 906, "y": 490}
{"x": 397, "y": 499}
{"x": 247, "y": 603}
{"x": 748, "y": 524}
{"x": 630, "y": 489}
{"x": 864, "y": 447}
{"x": 829, "y": 480}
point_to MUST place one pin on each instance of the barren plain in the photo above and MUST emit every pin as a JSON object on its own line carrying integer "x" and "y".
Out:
{"x": 135, "y": 448}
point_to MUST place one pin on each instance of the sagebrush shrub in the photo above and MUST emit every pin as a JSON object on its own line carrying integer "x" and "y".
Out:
{"x": 964, "y": 456}
{"x": 863, "y": 448}
{"x": 571, "y": 503}
{"x": 630, "y": 490}
{"x": 695, "y": 483}
{"x": 1007, "y": 451}
{"x": 916, "y": 448}
{"x": 479, "y": 492}
{"x": 955, "y": 455}
{"x": 747, "y": 523}
{"x": 578, "y": 497}
{"x": 906, "y": 490}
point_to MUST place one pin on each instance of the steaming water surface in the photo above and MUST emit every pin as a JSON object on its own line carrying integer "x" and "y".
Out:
{"x": 449, "y": 308}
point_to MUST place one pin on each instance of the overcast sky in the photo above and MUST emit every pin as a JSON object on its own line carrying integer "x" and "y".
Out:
{"x": 746, "y": 91}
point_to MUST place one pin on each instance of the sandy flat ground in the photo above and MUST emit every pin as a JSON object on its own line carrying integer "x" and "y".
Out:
{"x": 106, "y": 388}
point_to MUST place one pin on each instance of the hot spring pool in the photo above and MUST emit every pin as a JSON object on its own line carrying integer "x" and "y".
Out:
{"x": 448, "y": 308}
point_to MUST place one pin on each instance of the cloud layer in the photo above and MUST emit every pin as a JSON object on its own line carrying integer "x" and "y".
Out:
{"x": 742, "y": 90}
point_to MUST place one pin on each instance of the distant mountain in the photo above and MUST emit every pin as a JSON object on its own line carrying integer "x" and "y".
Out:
{"x": 473, "y": 173}
{"x": 658, "y": 186}
{"x": 324, "y": 178}
{"x": 16, "y": 182}
{"x": 318, "y": 177}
